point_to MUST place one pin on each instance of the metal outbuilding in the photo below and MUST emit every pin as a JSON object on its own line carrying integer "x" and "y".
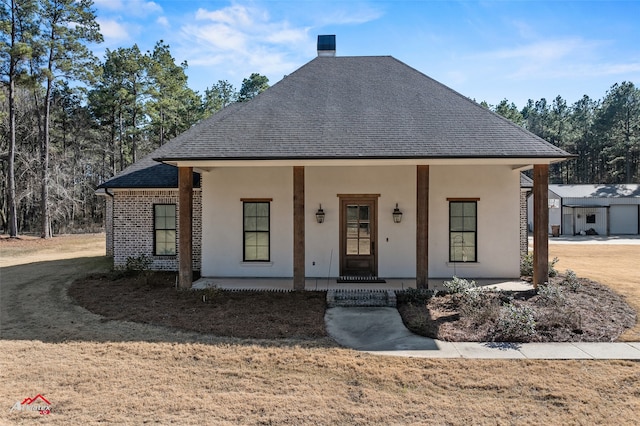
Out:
{"x": 593, "y": 209}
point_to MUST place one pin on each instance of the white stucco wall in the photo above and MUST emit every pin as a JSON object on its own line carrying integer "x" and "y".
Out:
{"x": 396, "y": 244}
{"x": 497, "y": 187}
{"x": 222, "y": 220}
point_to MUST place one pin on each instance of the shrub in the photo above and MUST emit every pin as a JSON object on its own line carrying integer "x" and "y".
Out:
{"x": 482, "y": 308}
{"x": 138, "y": 263}
{"x": 571, "y": 280}
{"x": 516, "y": 322}
{"x": 473, "y": 303}
{"x": 550, "y": 294}
{"x": 460, "y": 285}
{"x": 552, "y": 270}
{"x": 526, "y": 266}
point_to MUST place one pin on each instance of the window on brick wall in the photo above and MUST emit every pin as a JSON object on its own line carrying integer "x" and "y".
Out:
{"x": 256, "y": 231}
{"x": 164, "y": 227}
{"x": 462, "y": 231}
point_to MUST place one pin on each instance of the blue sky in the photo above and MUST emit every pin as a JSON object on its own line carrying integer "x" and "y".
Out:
{"x": 486, "y": 50}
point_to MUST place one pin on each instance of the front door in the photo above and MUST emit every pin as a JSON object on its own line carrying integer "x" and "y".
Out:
{"x": 358, "y": 230}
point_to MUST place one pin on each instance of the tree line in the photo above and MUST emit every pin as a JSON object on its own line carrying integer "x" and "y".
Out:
{"x": 69, "y": 121}
{"x": 603, "y": 134}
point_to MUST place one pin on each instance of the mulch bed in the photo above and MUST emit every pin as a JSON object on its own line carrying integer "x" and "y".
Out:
{"x": 593, "y": 313}
{"x": 152, "y": 298}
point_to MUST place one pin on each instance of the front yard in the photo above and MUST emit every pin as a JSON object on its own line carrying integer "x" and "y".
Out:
{"x": 94, "y": 370}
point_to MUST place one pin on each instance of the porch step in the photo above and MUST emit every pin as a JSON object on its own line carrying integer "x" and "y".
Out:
{"x": 361, "y": 298}
{"x": 359, "y": 279}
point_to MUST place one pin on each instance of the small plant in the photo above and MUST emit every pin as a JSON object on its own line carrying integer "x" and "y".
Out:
{"x": 467, "y": 296}
{"x": 552, "y": 270}
{"x": 482, "y": 308}
{"x": 460, "y": 285}
{"x": 551, "y": 294}
{"x": 139, "y": 263}
{"x": 571, "y": 281}
{"x": 516, "y": 322}
{"x": 526, "y": 266}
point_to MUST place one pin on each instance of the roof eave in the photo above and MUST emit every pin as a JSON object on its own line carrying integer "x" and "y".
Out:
{"x": 517, "y": 162}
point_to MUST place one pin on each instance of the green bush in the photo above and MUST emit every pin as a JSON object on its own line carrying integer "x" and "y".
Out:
{"x": 551, "y": 294}
{"x": 481, "y": 308}
{"x": 465, "y": 293}
{"x": 460, "y": 285}
{"x": 571, "y": 281}
{"x": 516, "y": 322}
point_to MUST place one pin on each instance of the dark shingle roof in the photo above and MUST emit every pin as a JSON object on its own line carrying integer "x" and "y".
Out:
{"x": 358, "y": 107}
{"x": 148, "y": 173}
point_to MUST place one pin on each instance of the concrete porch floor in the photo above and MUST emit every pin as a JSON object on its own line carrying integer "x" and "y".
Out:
{"x": 321, "y": 284}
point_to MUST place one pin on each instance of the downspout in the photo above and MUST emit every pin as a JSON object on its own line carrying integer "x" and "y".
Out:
{"x": 561, "y": 216}
{"x": 106, "y": 191}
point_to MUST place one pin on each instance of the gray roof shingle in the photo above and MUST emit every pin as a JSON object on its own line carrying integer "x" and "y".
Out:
{"x": 358, "y": 107}
{"x": 344, "y": 108}
{"x": 148, "y": 173}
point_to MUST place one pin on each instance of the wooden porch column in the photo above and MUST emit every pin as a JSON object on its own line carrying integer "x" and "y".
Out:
{"x": 298, "y": 228}
{"x": 422, "y": 227}
{"x": 540, "y": 224}
{"x": 185, "y": 187}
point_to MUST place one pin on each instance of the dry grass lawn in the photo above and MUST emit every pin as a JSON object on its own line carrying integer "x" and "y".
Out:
{"x": 617, "y": 266}
{"x": 95, "y": 371}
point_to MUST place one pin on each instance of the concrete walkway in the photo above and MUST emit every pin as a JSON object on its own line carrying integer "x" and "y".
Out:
{"x": 381, "y": 331}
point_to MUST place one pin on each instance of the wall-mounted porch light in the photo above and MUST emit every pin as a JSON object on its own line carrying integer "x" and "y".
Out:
{"x": 397, "y": 215}
{"x": 320, "y": 215}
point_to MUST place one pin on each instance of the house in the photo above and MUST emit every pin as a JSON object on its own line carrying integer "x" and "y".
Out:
{"x": 603, "y": 209}
{"x": 351, "y": 168}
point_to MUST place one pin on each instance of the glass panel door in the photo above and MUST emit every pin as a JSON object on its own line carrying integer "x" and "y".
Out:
{"x": 358, "y": 229}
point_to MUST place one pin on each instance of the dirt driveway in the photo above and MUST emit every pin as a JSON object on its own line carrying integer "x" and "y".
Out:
{"x": 34, "y": 304}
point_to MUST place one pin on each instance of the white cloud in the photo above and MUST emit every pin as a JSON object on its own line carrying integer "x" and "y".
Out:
{"x": 109, "y": 4}
{"x": 360, "y": 15}
{"x": 235, "y": 15}
{"x": 546, "y": 50}
{"x": 163, "y": 21}
{"x": 112, "y": 30}
{"x": 243, "y": 39}
{"x": 131, "y": 7}
{"x": 544, "y": 59}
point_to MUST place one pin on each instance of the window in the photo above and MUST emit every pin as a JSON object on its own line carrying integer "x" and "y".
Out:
{"x": 164, "y": 226}
{"x": 256, "y": 231}
{"x": 591, "y": 218}
{"x": 462, "y": 231}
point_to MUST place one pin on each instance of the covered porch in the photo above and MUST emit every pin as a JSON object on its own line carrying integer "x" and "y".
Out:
{"x": 301, "y": 218}
{"x": 324, "y": 284}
